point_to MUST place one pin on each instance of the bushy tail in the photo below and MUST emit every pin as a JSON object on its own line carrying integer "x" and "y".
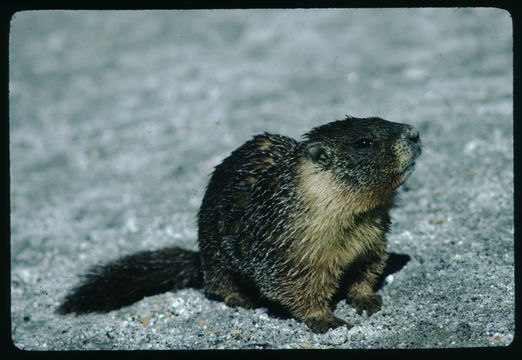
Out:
{"x": 129, "y": 279}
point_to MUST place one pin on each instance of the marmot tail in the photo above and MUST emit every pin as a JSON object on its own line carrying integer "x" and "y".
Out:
{"x": 131, "y": 278}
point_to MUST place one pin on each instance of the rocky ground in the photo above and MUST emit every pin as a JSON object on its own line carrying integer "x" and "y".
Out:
{"x": 118, "y": 118}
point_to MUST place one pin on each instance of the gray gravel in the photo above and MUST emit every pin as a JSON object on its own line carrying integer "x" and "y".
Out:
{"x": 118, "y": 118}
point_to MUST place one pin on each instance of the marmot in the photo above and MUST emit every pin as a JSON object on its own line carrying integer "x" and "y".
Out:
{"x": 284, "y": 220}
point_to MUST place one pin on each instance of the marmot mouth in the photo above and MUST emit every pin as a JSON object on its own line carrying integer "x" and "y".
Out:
{"x": 408, "y": 167}
{"x": 407, "y": 170}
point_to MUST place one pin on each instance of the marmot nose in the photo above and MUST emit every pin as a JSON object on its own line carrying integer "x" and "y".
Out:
{"x": 411, "y": 134}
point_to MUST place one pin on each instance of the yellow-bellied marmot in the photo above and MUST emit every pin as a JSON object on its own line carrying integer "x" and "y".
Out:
{"x": 285, "y": 220}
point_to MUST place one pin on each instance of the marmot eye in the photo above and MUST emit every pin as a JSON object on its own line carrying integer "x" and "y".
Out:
{"x": 364, "y": 143}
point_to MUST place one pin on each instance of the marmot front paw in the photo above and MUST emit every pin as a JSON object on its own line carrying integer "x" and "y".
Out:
{"x": 371, "y": 303}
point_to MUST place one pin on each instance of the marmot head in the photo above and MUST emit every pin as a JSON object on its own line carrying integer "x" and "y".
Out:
{"x": 370, "y": 155}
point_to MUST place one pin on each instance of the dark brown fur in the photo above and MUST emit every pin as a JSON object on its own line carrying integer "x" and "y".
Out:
{"x": 290, "y": 219}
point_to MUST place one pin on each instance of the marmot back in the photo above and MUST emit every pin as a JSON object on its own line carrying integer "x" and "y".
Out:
{"x": 290, "y": 219}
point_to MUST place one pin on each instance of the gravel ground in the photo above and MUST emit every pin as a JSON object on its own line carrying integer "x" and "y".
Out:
{"x": 118, "y": 118}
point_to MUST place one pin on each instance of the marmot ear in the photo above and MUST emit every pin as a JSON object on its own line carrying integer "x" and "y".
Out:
{"x": 317, "y": 153}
